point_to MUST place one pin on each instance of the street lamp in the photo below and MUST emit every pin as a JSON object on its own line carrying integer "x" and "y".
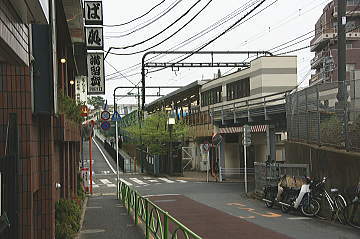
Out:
{"x": 171, "y": 122}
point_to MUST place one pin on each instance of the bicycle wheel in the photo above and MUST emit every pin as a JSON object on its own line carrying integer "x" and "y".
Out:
{"x": 353, "y": 213}
{"x": 324, "y": 212}
{"x": 340, "y": 204}
{"x": 310, "y": 207}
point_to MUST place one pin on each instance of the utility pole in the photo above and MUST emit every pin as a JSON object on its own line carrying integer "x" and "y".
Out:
{"x": 341, "y": 107}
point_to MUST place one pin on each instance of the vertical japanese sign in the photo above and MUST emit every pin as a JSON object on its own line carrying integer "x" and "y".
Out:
{"x": 93, "y": 12}
{"x": 94, "y": 38}
{"x": 96, "y": 79}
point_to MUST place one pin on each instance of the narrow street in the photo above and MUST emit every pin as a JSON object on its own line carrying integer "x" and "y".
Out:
{"x": 209, "y": 209}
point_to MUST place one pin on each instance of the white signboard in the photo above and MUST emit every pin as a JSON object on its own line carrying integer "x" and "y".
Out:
{"x": 93, "y": 13}
{"x": 96, "y": 79}
{"x": 94, "y": 38}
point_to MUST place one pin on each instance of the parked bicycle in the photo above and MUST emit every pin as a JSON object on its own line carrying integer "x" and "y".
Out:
{"x": 270, "y": 190}
{"x": 352, "y": 210}
{"x": 332, "y": 204}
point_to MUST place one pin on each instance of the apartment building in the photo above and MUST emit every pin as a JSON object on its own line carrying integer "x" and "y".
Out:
{"x": 324, "y": 43}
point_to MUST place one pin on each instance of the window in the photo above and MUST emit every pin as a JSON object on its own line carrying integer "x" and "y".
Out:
{"x": 211, "y": 97}
{"x": 352, "y": 2}
{"x": 348, "y": 45}
{"x": 238, "y": 89}
{"x": 350, "y": 67}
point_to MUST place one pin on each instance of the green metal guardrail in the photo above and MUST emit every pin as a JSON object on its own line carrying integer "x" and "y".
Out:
{"x": 157, "y": 221}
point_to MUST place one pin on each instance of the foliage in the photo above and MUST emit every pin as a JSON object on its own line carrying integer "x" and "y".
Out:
{"x": 70, "y": 107}
{"x": 96, "y": 101}
{"x": 154, "y": 132}
{"x": 331, "y": 131}
{"x": 354, "y": 135}
{"x": 67, "y": 218}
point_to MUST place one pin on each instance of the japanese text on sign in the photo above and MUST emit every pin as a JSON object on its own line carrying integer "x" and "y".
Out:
{"x": 93, "y": 13}
{"x": 96, "y": 81}
{"x": 94, "y": 38}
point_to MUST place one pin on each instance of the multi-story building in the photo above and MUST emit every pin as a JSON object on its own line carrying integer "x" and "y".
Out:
{"x": 40, "y": 54}
{"x": 252, "y": 96}
{"x": 324, "y": 43}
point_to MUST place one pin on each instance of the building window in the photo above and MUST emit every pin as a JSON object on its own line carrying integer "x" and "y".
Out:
{"x": 350, "y": 67}
{"x": 348, "y": 46}
{"x": 352, "y": 2}
{"x": 211, "y": 97}
{"x": 238, "y": 89}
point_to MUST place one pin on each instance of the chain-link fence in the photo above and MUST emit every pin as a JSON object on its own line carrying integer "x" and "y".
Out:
{"x": 316, "y": 115}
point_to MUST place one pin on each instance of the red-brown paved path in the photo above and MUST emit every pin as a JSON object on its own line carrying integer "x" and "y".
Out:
{"x": 210, "y": 223}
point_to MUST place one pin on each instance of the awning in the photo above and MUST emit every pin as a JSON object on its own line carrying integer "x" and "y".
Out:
{"x": 233, "y": 130}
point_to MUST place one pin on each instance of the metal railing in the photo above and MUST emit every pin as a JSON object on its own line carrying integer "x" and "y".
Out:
{"x": 158, "y": 223}
{"x": 270, "y": 174}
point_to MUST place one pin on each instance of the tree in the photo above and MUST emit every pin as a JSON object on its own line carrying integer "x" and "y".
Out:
{"x": 96, "y": 101}
{"x": 154, "y": 132}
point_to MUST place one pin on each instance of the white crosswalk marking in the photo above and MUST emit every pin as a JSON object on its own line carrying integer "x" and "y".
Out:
{"x": 153, "y": 181}
{"x": 111, "y": 185}
{"x": 138, "y": 181}
{"x": 181, "y": 181}
{"x": 95, "y": 186}
{"x": 105, "y": 181}
{"x": 126, "y": 182}
{"x": 147, "y": 178}
{"x": 166, "y": 180}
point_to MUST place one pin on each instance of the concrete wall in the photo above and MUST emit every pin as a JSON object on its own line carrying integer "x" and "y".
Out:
{"x": 342, "y": 168}
{"x": 232, "y": 155}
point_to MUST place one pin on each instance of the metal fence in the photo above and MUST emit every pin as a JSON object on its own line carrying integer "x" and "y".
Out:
{"x": 270, "y": 174}
{"x": 315, "y": 116}
{"x": 158, "y": 223}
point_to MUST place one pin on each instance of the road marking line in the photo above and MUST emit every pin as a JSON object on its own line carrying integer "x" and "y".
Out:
{"x": 107, "y": 161}
{"x": 138, "y": 181}
{"x": 181, "y": 181}
{"x": 153, "y": 181}
{"x": 160, "y": 195}
{"x": 147, "y": 178}
{"x": 166, "y": 180}
{"x": 110, "y": 185}
{"x": 126, "y": 182}
{"x": 105, "y": 181}
{"x": 299, "y": 218}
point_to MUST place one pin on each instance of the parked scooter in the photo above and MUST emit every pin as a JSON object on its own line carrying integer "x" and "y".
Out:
{"x": 300, "y": 199}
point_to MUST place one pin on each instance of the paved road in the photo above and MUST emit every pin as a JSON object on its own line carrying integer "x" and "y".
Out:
{"x": 227, "y": 197}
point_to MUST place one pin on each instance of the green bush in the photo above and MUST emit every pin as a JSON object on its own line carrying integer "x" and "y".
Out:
{"x": 67, "y": 219}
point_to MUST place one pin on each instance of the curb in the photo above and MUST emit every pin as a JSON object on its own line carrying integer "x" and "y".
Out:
{"x": 77, "y": 236}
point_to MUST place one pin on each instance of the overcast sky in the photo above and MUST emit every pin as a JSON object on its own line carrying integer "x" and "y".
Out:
{"x": 278, "y": 23}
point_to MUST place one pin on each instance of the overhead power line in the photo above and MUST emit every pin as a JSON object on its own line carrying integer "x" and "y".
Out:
{"x": 221, "y": 34}
{"x": 162, "y": 31}
{"x": 139, "y": 27}
{"x": 195, "y": 36}
{"x": 167, "y": 38}
{"x": 137, "y": 18}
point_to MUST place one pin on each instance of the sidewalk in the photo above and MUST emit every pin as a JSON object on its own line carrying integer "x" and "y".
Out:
{"x": 106, "y": 218}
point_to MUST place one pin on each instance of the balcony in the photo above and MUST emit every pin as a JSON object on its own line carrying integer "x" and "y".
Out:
{"x": 316, "y": 78}
{"x": 351, "y": 10}
{"x": 321, "y": 38}
{"x": 317, "y": 61}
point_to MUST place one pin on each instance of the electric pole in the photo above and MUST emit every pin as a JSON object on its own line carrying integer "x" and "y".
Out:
{"x": 341, "y": 107}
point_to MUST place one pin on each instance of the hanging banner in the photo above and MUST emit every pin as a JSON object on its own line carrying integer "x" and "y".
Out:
{"x": 94, "y": 38}
{"x": 93, "y": 12}
{"x": 96, "y": 78}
